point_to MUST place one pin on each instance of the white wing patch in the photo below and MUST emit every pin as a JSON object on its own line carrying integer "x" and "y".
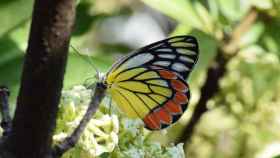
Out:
{"x": 186, "y": 51}
{"x": 137, "y": 60}
{"x": 167, "y": 56}
{"x": 186, "y": 59}
{"x": 163, "y": 50}
{"x": 179, "y": 67}
{"x": 162, "y": 63}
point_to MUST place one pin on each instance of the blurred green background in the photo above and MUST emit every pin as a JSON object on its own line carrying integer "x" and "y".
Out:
{"x": 243, "y": 120}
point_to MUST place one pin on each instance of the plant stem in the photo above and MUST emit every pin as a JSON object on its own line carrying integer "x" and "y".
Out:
{"x": 70, "y": 141}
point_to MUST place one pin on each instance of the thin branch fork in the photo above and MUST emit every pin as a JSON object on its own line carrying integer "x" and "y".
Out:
{"x": 72, "y": 140}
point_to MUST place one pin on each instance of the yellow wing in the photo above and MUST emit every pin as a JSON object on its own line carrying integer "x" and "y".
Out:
{"x": 157, "y": 96}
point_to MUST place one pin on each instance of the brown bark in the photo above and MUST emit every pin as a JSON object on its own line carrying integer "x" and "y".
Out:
{"x": 42, "y": 79}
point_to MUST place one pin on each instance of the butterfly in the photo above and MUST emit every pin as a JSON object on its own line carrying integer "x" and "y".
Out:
{"x": 150, "y": 83}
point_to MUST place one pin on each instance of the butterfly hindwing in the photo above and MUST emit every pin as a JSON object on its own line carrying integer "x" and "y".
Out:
{"x": 156, "y": 95}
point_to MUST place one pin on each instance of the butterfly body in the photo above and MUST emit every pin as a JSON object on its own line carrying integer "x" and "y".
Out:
{"x": 150, "y": 83}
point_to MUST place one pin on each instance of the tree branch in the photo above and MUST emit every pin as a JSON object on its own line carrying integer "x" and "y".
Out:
{"x": 70, "y": 141}
{"x": 216, "y": 71}
{"x": 42, "y": 78}
{"x": 211, "y": 86}
{"x": 233, "y": 45}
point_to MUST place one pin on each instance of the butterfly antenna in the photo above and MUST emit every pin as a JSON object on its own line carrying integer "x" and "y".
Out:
{"x": 88, "y": 61}
{"x": 110, "y": 106}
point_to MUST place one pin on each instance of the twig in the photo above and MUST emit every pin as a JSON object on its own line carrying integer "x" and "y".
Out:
{"x": 6, "y": 122}
{"x": 70, "y": 141}
{"x": 243, "y": 27}
{"x": 215, "y": 72}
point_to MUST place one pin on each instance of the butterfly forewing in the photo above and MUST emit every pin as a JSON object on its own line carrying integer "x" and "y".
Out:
{"x": 150, "y": 83}
{"x": 178, "y": 54}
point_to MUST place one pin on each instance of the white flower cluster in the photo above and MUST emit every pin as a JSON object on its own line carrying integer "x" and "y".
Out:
{"x": 101, "y": 133}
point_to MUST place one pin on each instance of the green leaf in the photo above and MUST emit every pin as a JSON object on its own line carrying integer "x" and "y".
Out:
{"x": 213, "y": 8}
{"x": 181, "y": 29}
{"x": 233, "y": 10}
{"x": 11, "y": 58}
{"x": 262, "y": 4}
{"x": 271, "y": 36}
{"x": 205, "y": 16}
{"x": 207, "y": 51}
{"x": 13, "y": 14}
{"x": 270, "y": 43}
{"x": 180, "y": 10}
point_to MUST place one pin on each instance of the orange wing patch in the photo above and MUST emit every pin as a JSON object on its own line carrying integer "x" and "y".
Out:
{"x": 164, "y": 115}
{"x": 167, "y": 74}
{"x": 173, "y": 107}
{"x": 171, "y": 110}
{"x": 178, "y": 85}
{"x": 180, "y": 98}
{"x": 152, "y": 121}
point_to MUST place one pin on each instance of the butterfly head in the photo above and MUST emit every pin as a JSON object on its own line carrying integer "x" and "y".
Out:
{"x": 107, "y": 84}
{"x": 106, "y": 81}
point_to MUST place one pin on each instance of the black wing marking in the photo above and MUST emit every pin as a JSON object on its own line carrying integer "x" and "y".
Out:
{"x": 178, "y": 54}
